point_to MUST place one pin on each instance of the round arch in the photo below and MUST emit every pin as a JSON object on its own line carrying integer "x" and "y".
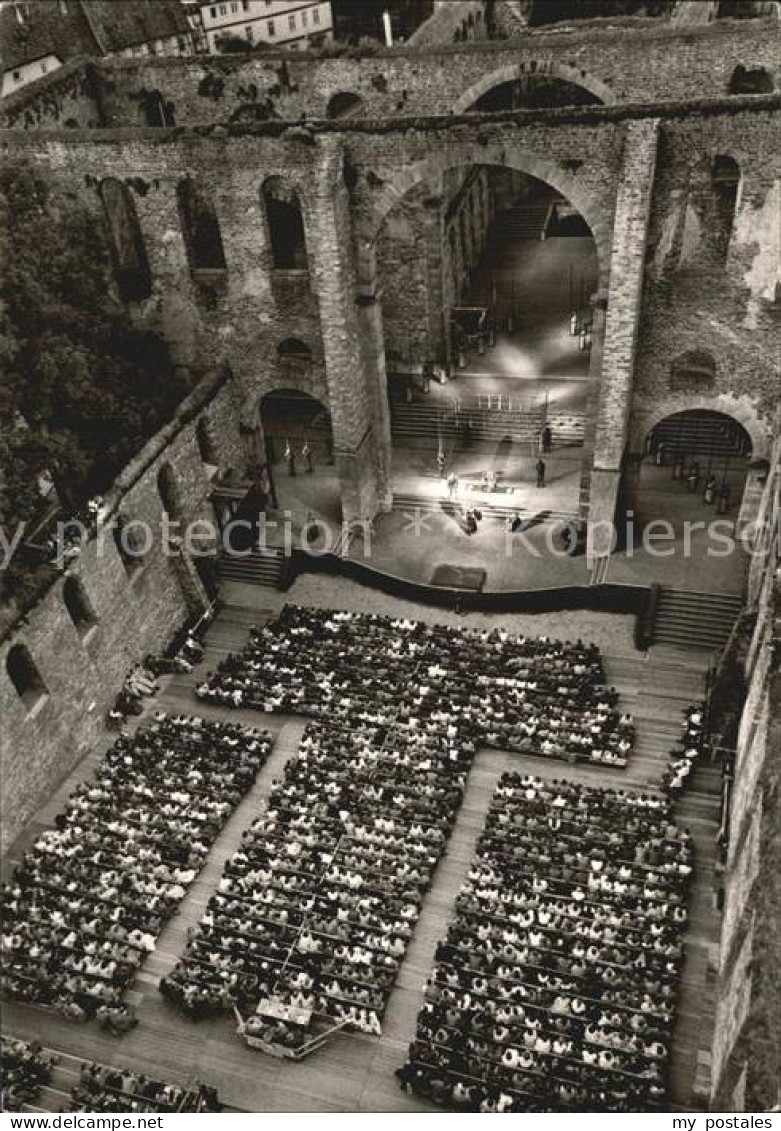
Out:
{"x": 546, "y": 68}
{"x": 535, "y": 165}
{"x": 744, "y": 414}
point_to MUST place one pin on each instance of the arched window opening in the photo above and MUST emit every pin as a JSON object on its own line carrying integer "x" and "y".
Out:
{"x": 693, "y": 370}
{"x": 206, "y": 444}
{"x": 345, "y": 104}
{"x": 24, "y": 675}
{"x": 201, "y": 229}
{"x": 295, "y": 359}
{"x": 534, "y": 92}
{"x": 168, "y": 490}
{"x": 750, "y": 80}
{"x": 725, "y": 178}
{"x": 157, "y": 110}
{"x": 78, "y": 605}
{"x": 130, "y": 545}
{"x": 128, "y": 254}
{"x": 285, "y": 225}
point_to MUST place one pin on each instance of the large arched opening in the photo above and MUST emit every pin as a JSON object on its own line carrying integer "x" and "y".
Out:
{"x": 488, "y": 276}
{"x": 532, "y": 85}
{"x": 693, "y": 468}
{"x": 299, "y": 447}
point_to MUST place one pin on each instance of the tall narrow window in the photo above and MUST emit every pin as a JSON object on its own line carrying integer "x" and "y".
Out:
{"x": 78, "y": 605}
{"x": 725, "y": 178}
{"x": 157, "y": 110}
{"x": 205, "y": 440}
{"x": 168, "y": 489}
{"x": 285, "y": 225}
{"x": 131, "y": 266}
{"x": 24, "y": 675}
{"x": 201, "y": 228}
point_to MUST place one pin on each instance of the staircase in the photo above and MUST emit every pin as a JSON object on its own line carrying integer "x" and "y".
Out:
{"x": 691, "y": 619}
{"x": 701, "y": 434}
{"x": 260, "y": 567}
{"x": 420, "y": 424}
{"x": 520, "y": 222}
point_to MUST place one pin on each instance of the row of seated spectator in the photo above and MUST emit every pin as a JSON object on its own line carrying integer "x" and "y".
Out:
{"x": 695, "y": 742}
{"x": 25, "y": 1069}
{"x": 101, "y": 1088}
{"x": 514, "y": 692}
{"x": 555, "y": 988}
{"x": 87, "y": 901}
{"x": 315, "y": 909}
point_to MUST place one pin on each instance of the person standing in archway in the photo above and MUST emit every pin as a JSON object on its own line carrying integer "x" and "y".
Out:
{"x": 540, "y": 472}
{"x": 306, "y": 456}
{"x": 290, "y": 459}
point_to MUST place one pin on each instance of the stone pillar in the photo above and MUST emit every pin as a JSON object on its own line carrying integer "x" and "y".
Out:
{"x": 352, "y": 343}
{"x": 625, "y": 290}
{"x": 369, "y": 313}
{"x": 173, "y": 304}
{"x": 434, "y": 235}
{"x": 598, "y": 307}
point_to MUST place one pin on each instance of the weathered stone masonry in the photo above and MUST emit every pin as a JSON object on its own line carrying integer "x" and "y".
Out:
{"x": 649, "y": 61}
{"x": 134, "y": 614}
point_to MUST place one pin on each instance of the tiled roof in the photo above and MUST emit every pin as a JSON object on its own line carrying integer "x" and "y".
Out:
{"x": 67, "y": 28}
{"x": 118, "y": 24}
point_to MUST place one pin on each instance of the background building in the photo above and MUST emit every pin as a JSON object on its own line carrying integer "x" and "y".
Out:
{"x": 37, "y": 38}
{"x": 283, "y": 23}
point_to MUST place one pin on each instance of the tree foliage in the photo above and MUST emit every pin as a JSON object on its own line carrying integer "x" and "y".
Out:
{"x": 82, "y": 386}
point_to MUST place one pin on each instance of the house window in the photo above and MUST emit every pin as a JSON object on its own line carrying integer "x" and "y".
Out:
{"x": 249, "y": 33}
{"x": 44, "y": 68}
{"x": 270, "y": 27}
{"x": 315, "y": 15}
{"x": 304, "y": 18}
{"x": 235, "y": 6}
{"x": 292, "y": 22}
{"x": 223, "y": 10}
{"x": 17, "y": 76}
{"x": 245, "y": 5}
{"x": 213, "y": 13}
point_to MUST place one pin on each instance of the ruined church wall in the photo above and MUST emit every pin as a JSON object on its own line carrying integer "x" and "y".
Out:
{"x": 696, "y": 298}
{"x": 618, "y": 64}
{"x": 134, "y": 615}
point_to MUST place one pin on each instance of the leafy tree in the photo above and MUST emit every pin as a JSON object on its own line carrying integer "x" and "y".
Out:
{"x": 83, "y": 387}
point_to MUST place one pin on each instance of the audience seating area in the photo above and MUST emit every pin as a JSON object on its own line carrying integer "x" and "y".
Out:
{"x": 556, "y": 986}
{"x": 517, "y": 693}
{"x": 89, "y": 899}
{"x": 28, "y": 1069}
{"x": 316, "y": 908}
